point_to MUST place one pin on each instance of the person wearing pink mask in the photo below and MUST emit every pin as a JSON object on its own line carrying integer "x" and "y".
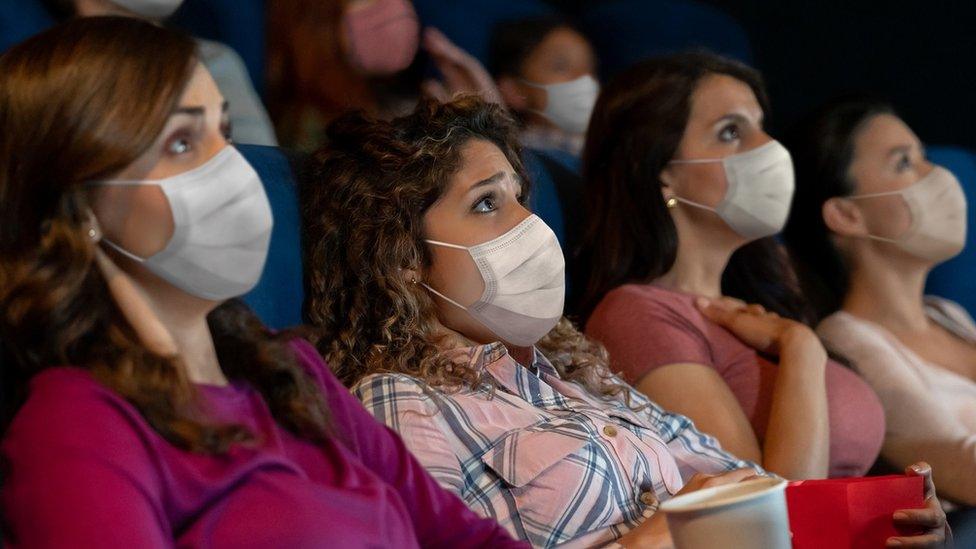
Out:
{"x": 249, "y": 120}
{"x": 328, "y": 57}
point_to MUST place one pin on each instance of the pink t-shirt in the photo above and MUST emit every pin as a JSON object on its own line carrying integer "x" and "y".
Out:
{"x": 645, "y": 327}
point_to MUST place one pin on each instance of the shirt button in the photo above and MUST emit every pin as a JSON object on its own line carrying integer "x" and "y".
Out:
{"x": 648, "y": 499}
{"x": 610, "y": 431}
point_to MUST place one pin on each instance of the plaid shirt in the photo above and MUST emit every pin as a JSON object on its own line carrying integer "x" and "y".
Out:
{"x": 546, "y": 458}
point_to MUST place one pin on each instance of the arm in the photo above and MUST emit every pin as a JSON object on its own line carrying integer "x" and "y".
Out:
{"x": 797, "y": 443}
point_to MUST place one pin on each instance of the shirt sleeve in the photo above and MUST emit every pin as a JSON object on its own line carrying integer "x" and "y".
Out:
{"x": 440, "y": 518}
{"x": 694, "y": 451}
{"x": 79, "y": 476}
{"x": 642, "y": 333}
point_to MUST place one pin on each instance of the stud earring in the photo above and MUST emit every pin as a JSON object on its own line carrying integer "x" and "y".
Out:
{"x": 671, "y": 203}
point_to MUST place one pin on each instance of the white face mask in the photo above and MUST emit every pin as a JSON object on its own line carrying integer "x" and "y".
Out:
{"x": 938, "y": 208}
{"x": 757, "y": 201}
{"x": 570, "y": 104}
{"x": 150, "y": 9}
{"x": 221, "y": 228}
{"x": 524, "y": 275}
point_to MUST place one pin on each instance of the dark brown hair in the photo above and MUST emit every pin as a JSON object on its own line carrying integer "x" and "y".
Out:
{"x": 80, "y": 102}
{"x": 363, "y": 210}
{"x": 637, "y": 125}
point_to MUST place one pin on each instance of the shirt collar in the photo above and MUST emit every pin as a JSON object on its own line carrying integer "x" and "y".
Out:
{"x": 528, "y": 382}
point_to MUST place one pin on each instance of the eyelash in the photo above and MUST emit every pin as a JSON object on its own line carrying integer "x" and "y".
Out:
{"x": 904, "y": 163}
{"x": 177, "y": 138}
{"x": 485, "y": 197}
{"x": 722, "y": 132}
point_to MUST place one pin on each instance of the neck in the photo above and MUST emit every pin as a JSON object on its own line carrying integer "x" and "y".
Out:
{"x": 522, "y": 355}
{"x": 185, "y": 317}
{"x": 700, "y": 262}
{"x": 95, "y": 8}
{"x": 887, "y": 294}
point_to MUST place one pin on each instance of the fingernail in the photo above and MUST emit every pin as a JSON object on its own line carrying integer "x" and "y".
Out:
{"x": 702, "y": 302}
{"x": 900, "y": 516}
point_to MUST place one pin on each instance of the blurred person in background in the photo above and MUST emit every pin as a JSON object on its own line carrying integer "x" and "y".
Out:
{"x": 248, "y": 118}
{"x": 546, "y": 72}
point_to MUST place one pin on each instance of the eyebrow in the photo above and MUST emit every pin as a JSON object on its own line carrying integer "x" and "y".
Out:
{"x": 738, "y": 117}
{"x": 199, "y": 110}
{"x": 898, "y": 150}
{"x": 488, "y": 180}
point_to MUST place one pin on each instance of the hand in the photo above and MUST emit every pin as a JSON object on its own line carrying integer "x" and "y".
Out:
{"x": 461, "y": 71}
{"x": 653, "y": 533}
{"x": 931, "y": 518}
{"x": 764, "y": 331}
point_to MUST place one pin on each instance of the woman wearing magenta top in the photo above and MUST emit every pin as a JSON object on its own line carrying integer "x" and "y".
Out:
{"x": 685, "y": 188}
{"x": 141, "y": 408}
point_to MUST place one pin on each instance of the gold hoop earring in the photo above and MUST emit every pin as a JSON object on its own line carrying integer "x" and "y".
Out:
{"x": 671, "y": 203}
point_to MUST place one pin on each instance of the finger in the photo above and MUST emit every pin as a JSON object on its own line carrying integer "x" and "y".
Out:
{"x": 756, "y": 309}
{"x": 917, "y": 542}
{"x": 732, "y": 302}
{"x": 439, "y": 42}
{"x": 924, "y": 470}
{"x": 930, "y": 519}
{"x": 715, "y": 310}
{"x": 731, "y": 477}
{"x": 435, "y": 90}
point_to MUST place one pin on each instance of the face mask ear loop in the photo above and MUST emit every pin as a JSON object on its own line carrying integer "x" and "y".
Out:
{"x": 444, "y": 297}
{"x": 446, "y": 245}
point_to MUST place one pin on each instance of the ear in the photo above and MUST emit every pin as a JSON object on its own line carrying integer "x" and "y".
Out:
{"x": 513, "y": 93}
{"x": 843, "y": 217}
{"x": 411, "y": 276}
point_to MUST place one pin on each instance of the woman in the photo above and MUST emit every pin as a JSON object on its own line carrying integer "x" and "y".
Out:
{"x": 545, "y": 71}
{"x": 684, "y": 188}
{"x": 141, "y": 408}
{"x": 325, "y": 57}
{"x": 438, "y": 298}
{"x": 871, "y": 218}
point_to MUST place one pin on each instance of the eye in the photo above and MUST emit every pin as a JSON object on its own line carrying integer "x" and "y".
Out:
{"x": 904, "y": 163}
{"x": 729, "y": 133}
{"x": 179, "y": 145}
{"x": 486, "y": 204}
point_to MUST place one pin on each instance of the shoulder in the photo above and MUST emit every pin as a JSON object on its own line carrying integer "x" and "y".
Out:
{"x": 862, "y": 342}
{"x": 644, "y": 302}
{"x": 947, "y": 310}
{"x": 69, "y": 412}
{"x": 396, "y": 390}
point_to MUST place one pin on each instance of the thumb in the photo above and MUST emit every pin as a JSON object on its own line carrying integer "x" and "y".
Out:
{"x": 715, "y": 310}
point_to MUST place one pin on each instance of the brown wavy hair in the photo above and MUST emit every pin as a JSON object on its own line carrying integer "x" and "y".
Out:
{"x": 363, "y": 206}
{"x": 80, "y": 102}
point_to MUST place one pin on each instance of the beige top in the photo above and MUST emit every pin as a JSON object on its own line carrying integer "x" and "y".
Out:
{"x": 930, "y": 411}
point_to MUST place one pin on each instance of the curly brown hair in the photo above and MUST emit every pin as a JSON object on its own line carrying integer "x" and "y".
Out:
{"x": 364, "y": 200}
{"x": 80, "y": 102}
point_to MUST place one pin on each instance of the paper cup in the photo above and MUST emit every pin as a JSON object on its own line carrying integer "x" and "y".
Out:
{"x": 746, "y": 515}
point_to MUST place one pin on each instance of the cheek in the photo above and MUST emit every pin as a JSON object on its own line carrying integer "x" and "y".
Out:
{"x": 138, "y": 219}
{"x": 454, "y": 274}
{"x": 702, "y": 183}
{"x": 887, "y": 217}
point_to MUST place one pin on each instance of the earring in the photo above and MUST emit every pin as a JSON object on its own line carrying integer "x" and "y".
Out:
{"x": 413, "y": 280}
{"x": 671, "y": 203}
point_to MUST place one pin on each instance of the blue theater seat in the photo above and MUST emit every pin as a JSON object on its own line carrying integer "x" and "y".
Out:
{"x": 21, "y": 19}
{"x": 469, "y": 23}
{"x": 956, "y": 278}
{"x": 239, "y": 24}
{"x": 627, "y": 31}
{"x": 277, "y": 299}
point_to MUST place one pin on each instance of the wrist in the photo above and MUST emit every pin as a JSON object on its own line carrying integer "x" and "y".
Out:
{"x": 800, "y": 343}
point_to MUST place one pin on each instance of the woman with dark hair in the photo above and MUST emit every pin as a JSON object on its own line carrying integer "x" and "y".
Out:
{"x": 143, "y": 407}
{"x": 546, "y": 73}
{"x": 685, "y": 189}
{"x": 871, "y": 218}
{"x": 438, "y": 297}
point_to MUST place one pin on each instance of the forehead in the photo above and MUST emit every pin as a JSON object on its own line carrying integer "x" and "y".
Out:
{"x": 719, "y": 94}
{"x": 479, "y": 159}
{"x": 201, "y": 89}
{"x": 881, "y": 133}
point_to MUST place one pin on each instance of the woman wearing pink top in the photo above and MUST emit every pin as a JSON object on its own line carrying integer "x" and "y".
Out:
{"x": 140, "y": 407}
{"x": 685, "y": 189}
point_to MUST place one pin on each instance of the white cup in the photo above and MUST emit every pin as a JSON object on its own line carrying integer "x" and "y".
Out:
{"x": 746, "y": 515}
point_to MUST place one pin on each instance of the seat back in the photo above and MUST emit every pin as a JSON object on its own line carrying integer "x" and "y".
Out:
{"x": 277, "y": 298}
{"x": 627, "y": 31}
{"x": 21, "y": 19}
{"x": 956, "y": 279}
